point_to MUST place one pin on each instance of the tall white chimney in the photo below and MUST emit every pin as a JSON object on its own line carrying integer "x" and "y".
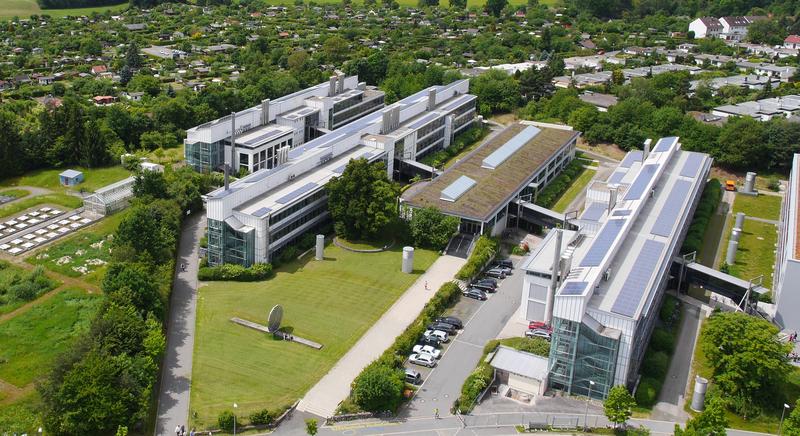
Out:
{"x": 431, "y": 99}
{"x": 332, "y": 86}
{"x": 229, "y": 165}
{"x": 265, "y": 112}
{"x": 551, "y": 294}
{"x": 646, "y": 151}
{"x": 340, "y": 84}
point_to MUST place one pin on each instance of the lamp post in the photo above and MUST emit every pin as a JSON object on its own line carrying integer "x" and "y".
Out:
{"x": 234, "y": 418}
{"x": 780, "y": 426}
{"x": 586, "y": 414}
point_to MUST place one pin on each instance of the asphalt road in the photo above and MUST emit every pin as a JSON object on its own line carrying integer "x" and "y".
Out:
{"x": 483, "y": 321}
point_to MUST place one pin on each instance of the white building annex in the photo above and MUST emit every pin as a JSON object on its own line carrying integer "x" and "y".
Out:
{"x": 787, "y": 267}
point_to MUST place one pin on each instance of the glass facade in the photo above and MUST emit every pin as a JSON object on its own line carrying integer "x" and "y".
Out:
{"x": 345, "y": 111}
{"x": 578, "y": 356}
{"x": 205, "y": 157}
{"x": 226, "y": 245}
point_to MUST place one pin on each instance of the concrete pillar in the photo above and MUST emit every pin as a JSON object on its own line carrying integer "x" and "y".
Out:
{"x": 320, "y": 247}
{"x": 750, "y": 182}
{"x": 408, "y": 260}
{"x": 699, "y": 396}
{"x": 730, "y": 256}
{"x": 739, "y": 224}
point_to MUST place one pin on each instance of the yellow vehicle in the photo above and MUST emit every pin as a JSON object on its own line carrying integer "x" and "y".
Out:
{"x": 730, "y": 185}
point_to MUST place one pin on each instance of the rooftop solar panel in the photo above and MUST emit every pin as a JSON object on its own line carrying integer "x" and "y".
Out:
{"x": 692, "y": 165}
{"x": 630, "y": 158}
{"x": 264, "y": 137}
{"x": 425, "y": 119}
{"x": 602, "y": 242}
{"x": 506, "y": 150}
{"x": 456, "y": 189}
{"x": 340, "y": 169}
{"x": 642, "y": 180}
{"x": 261, "y": 212}
{"x": 617, "y": 176}
{"x": 296, "y": 193}
{"x": 573, "y": 288}
{"x": 594, "y": 212}
{"x": 672, "y": 207}
{"x": 630, "y": 296}
{"x": 664, "y": 144}
{"x": 621, "y": 212}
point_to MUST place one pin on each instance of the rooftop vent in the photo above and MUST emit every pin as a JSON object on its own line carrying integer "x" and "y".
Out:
{"x": 456, "y": 189}
{"x": 512, "y": 146}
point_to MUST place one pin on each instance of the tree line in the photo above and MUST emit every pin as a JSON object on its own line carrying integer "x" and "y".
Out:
{"x": 691, "y": 8}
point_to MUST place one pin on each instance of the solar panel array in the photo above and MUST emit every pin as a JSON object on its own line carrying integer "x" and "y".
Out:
{"x": 602, "y": 242}
{"x": 264, "y": 137}
{"x": 296, "y": 193}
{"x": 506, "y": 150}
{"x": 456, "y": 189}
{"x": 664, "y": 144}
{"x": 573, "y": 288}
{"x": 425, "y": 119}
{"x": 642, "y": 180}
{"x": 617, "y": 176}
{"x": 692, "y": 164}
{"x": 261, "y": 212}
{"x": 630, "y": 158}
{"x": 594, "y": 212}
{"x": 635, "y": 285}
{"x": 340, "y": 169}
{"x": 621, "y": 212}
{"x": 672, "y": 207}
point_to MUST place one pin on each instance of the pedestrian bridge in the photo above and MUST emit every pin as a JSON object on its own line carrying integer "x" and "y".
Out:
{"x": 716, "y": 281}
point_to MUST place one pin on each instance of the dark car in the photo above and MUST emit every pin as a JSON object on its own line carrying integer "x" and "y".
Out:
{"x": 413, "y": 377}
{"x": 451, "y": 320}
{"x": 442, "y": 326}
{"x": 475, "y": 293}
{"x": 505, "y": 263}
{"x": 484, "y": 285}
{"x": 489, "y": 280}
{"x": 429, "y": 340}
{"x": 496, "y": 273}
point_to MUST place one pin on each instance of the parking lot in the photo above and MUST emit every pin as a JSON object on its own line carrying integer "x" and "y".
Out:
{"x": 483, "y": 321}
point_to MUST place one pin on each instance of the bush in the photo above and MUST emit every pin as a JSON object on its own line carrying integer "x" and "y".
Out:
{"x": 475, "y": 383}
{"x": 462, "y": 141}
{"x": 484, "y": 251}
{"x": 647, "y": 392}
{"x": 234, "y": 272}
{"x": 712, "y": 195}
{"x": 668, "y": 309}
{"x": 774, "y": 184}
{"x": 225, "y": 420}
{"x": 550, "y": 195}
{"x": 655, "y": 365}
{"x": 662, "y": 340}
{"x": 378, "y": 388}
{"x": 261, "y": 417}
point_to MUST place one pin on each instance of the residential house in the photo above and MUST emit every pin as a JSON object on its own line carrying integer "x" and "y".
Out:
{"x": 135, "y": 27}
{"x": 706, "y": 27}
{"x": 103, "y": 100}
{"x": 46, "y": 80}
{"x": 99, "y": 69}
{"x": 792, "y": 41}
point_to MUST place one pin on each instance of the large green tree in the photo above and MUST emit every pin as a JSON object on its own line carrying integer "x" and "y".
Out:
{"x": 711, "y": 422}
{"x": 618, "y": 406}
{"x": 496, "y": 92}
{"x": 378, "y": 388}
{"x": 431, "y": 228}
{"x": 362, "y": 200}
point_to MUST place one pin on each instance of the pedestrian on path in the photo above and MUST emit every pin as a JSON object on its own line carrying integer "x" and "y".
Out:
{"x": 178, "y": 430}
{"x": 183, "y": 430}
{"x": 426, "y": 285}
{"x": 436, "y": 413}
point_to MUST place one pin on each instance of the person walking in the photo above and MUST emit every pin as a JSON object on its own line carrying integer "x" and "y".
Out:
{"x": 436, "y": 413}
{"x": 178, "y": 430}
{"x": 183, "y": 430}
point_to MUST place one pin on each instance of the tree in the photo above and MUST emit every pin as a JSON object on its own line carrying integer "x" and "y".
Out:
{"x": 791, "y": 427}
{"x": 711, "y": 422}
{"x": 378, "y": 388}
{"x": 495, "y": 7}
{"x": 431, "y": 228}
{"x": 362, "y": 200}
{"x": 535, "y": 83}
{"x": 458, "y": 4}
{"x": 618, "y": 77}
{"x": 133, "y": 59}
{"x": 496, "y": 92}
{"x": 10, "y": 144}
{"x": 619, "y": 405}
{"x": 335, "y": 48}
{"x": 311, "y": 426}
{"x": 145, "y": 83}
{"x": 132, "y": 283}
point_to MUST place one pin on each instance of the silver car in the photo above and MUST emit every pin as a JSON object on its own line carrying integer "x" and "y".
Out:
{"x": 422, "y": 359}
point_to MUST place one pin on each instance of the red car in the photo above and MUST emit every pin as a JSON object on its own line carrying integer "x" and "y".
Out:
{"x": 539, "y": 325}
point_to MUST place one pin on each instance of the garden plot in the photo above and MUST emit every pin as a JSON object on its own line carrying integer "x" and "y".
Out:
{"x": 20, "y": 224}
{"x": 53, "y": 231}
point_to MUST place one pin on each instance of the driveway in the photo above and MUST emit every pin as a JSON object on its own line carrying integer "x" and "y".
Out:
{"x": 176, "y": 370}
{"x": 483, "y": 321}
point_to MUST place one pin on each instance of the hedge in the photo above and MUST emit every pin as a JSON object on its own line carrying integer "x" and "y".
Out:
{"x": 655, "y": 364}
{"x": 462, "y": 141}
{"x": 647, "y": 392}
{"x": 484, "y": 251}
{"x": 235, "y": 272}
{"x": 709, "y": 200}
{"x": 550, "y": 195}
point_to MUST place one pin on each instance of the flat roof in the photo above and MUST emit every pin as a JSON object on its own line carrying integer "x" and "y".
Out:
{"x": 519, "y": 362}
{"x": 795, "y": 208}
{"x": 496, "y": 186}
{"x": 262, "y": 134}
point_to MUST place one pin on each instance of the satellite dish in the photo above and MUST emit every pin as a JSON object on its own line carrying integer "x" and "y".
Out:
{"x": 275, "y": 318}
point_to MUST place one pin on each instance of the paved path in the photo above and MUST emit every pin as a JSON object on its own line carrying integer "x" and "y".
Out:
{"x": 598, "y": 156}
{"x": 763, "y": 220}
{"x": 603, "y": 171}
{"x": 325, "y": 396}
{"x": 32, "y": 192}
{"x": 176, "y": 372}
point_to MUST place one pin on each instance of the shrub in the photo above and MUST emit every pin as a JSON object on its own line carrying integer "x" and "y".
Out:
{"x": 709, "y": 200}
{"x": 668, "y": 309}
{"x": 234, "y": 272}
{"x": 462, "y": 141}
{"x": 475, "y": 383}
{"x": 647, "y": 392}
{"x": 378, "y": 388}
{"x": 774, "y": 184}
{"x": 261, "y": 417}
{"x": 662, "y": 340}
{"x": 655, "y": 365}
{"x": 484, "y": 251}
{"x": 550, "y": 195}
{"x": 225, "y": 420}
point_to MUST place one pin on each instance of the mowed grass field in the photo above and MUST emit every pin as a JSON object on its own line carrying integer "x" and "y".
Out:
{"x": 26, "y": 8}
{"x": 333, "y": 302}
{"x": 761, "y": 206}
{"x": 755, "y": 254}
{"x": 93, "y": 179}
{"x": 572, "y": 192}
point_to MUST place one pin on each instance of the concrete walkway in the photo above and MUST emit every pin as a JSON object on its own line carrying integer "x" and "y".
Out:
{"x": 176, "y": 370}
{"x": 323, "y": 399}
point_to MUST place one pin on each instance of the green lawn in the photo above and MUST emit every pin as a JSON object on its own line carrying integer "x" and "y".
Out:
{"x": 26, "y": 8}
{"x": 762, "y": 206}
{"x": 21, "y": 416}
{"x": 332, "y": 302}
{"x": 15, "y": 193}
{"x": 83, "y": 254}
{"x": 756, "y": 253}
{"x": 93, "y": 178}
{"x": 68, "y": 201}
{"x": 29, "y": 342}
{"x": 14, "y": 278}
{"x": 578, "y": 185}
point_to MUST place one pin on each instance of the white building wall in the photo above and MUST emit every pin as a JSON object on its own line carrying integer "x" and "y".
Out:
{"x": 699, "y": 28}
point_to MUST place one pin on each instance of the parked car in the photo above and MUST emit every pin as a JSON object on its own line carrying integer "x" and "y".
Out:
{"x": 539, "y": 325}
{"x": 443, "y": 326}
{"x": 438, "y": 334}
{"x": 538, "y": 333}
{"x": 452, "y": 321}
{"x": 427, "y": 349}
{"x": 485, "y": 285}
{"x": 506, "y": 270}
{"x": 505, "y": 263}
{"x": 422, "y": 360}
{"x": 430, "y": 340}
{"x": 413, "y": 377}
{"x": 475, "y": 293}
{"x": 496, "y": 273}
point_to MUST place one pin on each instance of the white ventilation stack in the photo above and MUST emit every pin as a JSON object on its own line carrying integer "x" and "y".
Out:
{"x": 431, "y": 99}
{"x": 361, "y": 86}
{"x": 699, "y": 396}
{"x": 551, "y": 293}
{"x": 750, "y": 183}
{"x": 386, "y": 125}
{"x": 340, "y": 84}
{"x": 320, "y": 247}
{"x": 332, "y": 86}
{"x": 408, "y": 260}
{"x": 283, "y": 155}
{"x": 265, "y": 112}
{"x": 228, "y": 166}
{"x": 739, "y": 220}
{"x": 646, "y": 150}
{"x": 730, "y": 255}
{"x": 612, "y": 197}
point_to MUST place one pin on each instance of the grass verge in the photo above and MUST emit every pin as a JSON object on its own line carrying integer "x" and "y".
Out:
{"x": 755, "y": 255}
{"x": 332, "y": 302}
{"x": 577, "y": 186}
{"x": 14, "y": 193}
{"x": 64, "y": 200}
{"x": 761, "y": 206}
{"x": 26, "y": 8}
{"x": 93, "y": 178}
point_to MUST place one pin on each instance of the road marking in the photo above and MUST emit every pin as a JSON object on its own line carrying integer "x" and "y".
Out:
{"x": 468, "y": 343}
